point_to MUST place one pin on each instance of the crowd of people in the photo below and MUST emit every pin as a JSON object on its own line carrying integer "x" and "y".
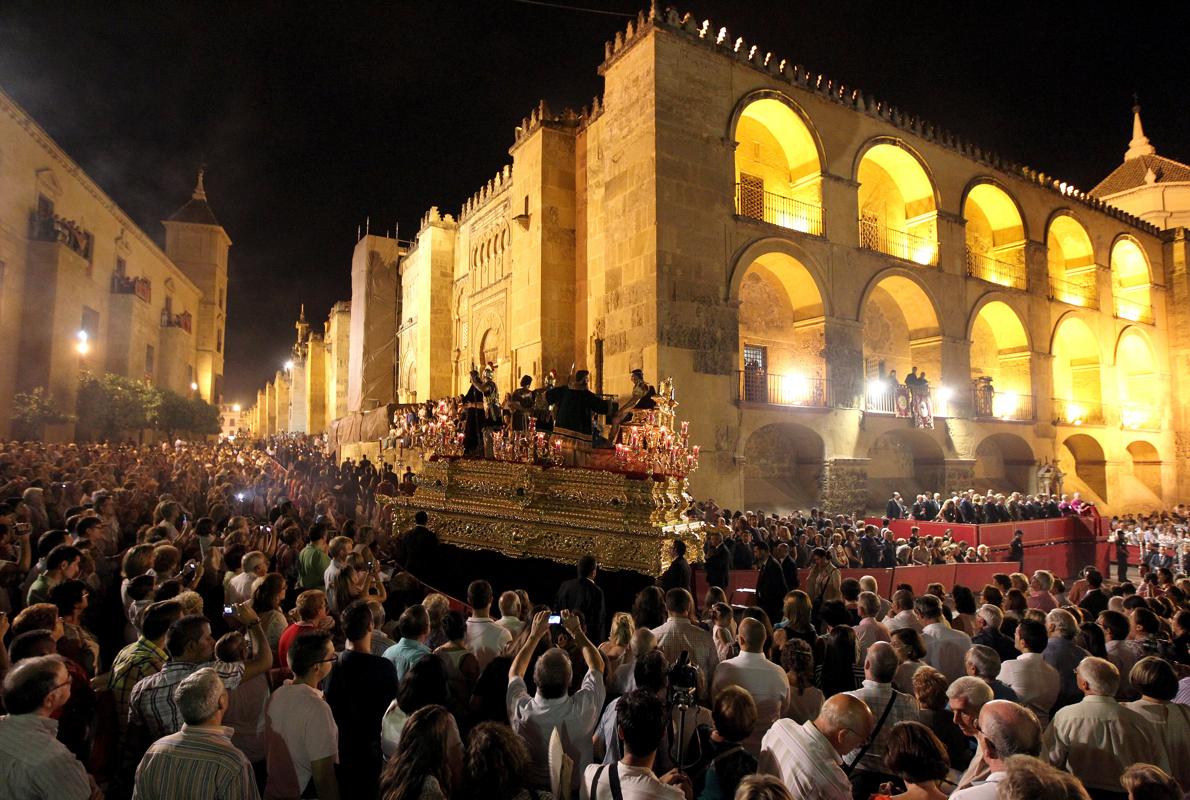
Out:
{"x": 237, "y": 620}
{"x": 970, "y": 507}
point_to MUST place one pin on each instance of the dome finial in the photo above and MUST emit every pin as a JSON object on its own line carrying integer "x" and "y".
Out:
{"x": 200, "y": 192}
{"x": 1140, "y": 145}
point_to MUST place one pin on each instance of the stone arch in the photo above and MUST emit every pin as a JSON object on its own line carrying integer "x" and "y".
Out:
{"x": 1132, "y": 278}
{"x": 782, "y": 333}
{"x": 1078, "y": 388}
{"x": 1001, "y": 361}
{"x": 1082, "y": 458}
{"x": 905, "y": 460}
{"x": 900, "y": 327}
{"x": 1140, "y": 386}
{"x": 782, "y": 468}
{"x": 1070, "y": 260}
{"x": 898, "y": 201}
{"x": 759, "y": 248}
{"x": 778, "y": 162}
{"x": 995, "y": 234}
{"x": 1146, "y": 467}
{"x": 1004, "y": 462}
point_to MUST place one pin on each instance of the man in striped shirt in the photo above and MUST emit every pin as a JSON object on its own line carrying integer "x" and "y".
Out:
{"x": 199, "y": 761}
{"x": 144, "y": 657}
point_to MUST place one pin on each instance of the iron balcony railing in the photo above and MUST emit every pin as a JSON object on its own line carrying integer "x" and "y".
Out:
{"x": 875, "y": 235}
{"x": 755, "y": 386}
{"x": 1132, "y": 310}
{"x": 141, "y": 287}
{"x": 1141, "y": 416}
{"x": 880, "y": 397}
{"x": 994, "y": 270}
{"x": 1078, "y": 292}
{"x": 1077, "y": 412}
{"x": 785, "y": 212}
{"x": 990, "y": 404}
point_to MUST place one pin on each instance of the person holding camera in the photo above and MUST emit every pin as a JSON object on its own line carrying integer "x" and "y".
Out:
{"x": 641, "y": 720}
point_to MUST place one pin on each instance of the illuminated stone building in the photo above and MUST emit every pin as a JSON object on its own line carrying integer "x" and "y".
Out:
{"x": 779, "y": 243}
{"x": 82, "y": 287}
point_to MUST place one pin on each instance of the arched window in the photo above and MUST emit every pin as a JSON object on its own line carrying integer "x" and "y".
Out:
{"x": 778, "y": 176}
{"x": 897, "y": 211}
{"x": 1131, "y": 282}
{"x": 1071, "y": 262}
{"x": 995, "y": 237}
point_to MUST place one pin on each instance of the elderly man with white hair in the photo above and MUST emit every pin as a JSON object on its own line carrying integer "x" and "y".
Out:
{"x": 199, "y": 761}
{"x": 967, "y": 696}
{"x": 868, "y": 584}
{"x": 989, "y": 620}
{"x": 1063, "y": 654}
{"x": 984, "y": 663}
{"x": 1098, "y": 738}
{"x": 807, "y": 757}
{"x": 1004, "y": 729}
{"x": 534, "y": 718}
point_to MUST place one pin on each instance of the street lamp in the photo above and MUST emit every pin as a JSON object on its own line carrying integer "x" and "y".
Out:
{"x": 193, "y": 386}
{"x": 236, "y": 408}
{"x": 82, "y": 343}
{"x": 289, "y": 365}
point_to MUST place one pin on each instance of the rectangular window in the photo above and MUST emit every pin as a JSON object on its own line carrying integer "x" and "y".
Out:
{"x": 751, "y": 196}
{"x": 149, "y": 361}
{"x": 121, "y": 267}
{"x": 90, "y": 323}
{"x": 45, "y": 206}
{"x": 220, "y": 299}
{"x": 219, "y": 341}
{"x": 756, "y": 364}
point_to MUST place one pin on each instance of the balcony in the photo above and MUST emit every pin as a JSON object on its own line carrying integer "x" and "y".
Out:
{"x": 1140, "y": 417}
{"x": 784, "y": 212}
{"x": 1078, "y": 292}
{"x": 875, "y": 235}
{"x": 881, "y": 397}
{"x": 182, "y": 320}
{"x": 61, "y": 231}
{"x": 754, "y": 386}
{"x": 1009, "y": 406}
{"x": 1077, "y": 412}
{"x": 1133, "y": 311}
{"x": 994, "y": 270}
{"x": 141, "y": 287}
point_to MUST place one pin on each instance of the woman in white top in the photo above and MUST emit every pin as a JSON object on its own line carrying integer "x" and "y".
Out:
{"x": 1157, "y": 683}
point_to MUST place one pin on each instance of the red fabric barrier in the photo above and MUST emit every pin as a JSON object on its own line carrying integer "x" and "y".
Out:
{"x": 975, "y": 576}
{"x": 920, "y": 577}
{"x": 900, "y": 529}
{"x": 997, "y": 534}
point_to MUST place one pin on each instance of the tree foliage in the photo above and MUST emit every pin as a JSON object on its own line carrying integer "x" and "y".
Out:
{"x": 111, "y": 406}
{"x": 32, "y": 411}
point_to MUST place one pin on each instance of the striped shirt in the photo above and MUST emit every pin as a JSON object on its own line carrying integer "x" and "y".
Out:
{"x": 152, "y": 702}
{"x": 195, "y": 763}
{"x": 138, "y": 660}
{"x": 34, "y": 765}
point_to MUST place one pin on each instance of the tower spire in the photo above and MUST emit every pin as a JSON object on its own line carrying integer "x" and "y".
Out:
{"x": 200, "y": 192}
{"x": 302, "y": 314}
{"x": 1140, "y": 145}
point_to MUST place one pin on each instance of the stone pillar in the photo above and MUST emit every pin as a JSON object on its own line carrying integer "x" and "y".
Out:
{"x": 840, "y": 209}
{"x": 952, "y": 244}
{"x": 1037, "y": 269}
{"x": 844, "y": 357}
{"x": 957, "y": 474}
{"x": 844, "y": 486}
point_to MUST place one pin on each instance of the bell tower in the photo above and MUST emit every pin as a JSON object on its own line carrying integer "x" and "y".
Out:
{"x": 197, "y": 243}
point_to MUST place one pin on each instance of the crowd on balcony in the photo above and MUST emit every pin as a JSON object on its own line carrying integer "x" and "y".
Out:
{"x": 53, "y": 228}
{"x": 970, "y": 507}
{"x": 223, "y": 621}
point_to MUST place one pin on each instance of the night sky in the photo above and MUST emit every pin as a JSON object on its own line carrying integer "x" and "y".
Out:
{"x": 313, "y": 117}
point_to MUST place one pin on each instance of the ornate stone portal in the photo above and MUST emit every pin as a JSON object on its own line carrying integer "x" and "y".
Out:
{"x": 556, "y": 513}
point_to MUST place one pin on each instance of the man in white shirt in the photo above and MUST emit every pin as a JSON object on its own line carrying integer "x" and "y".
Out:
{"x": 1005, "y": 729}
{"x": 946, "y": 648}
{"x": 1035, "y": 682}
{"x": 1097, "y": 738}
{"x": 574, "y": 716}
{"x": 338, "y": 550}
{"x": 902, "y": 615}
{"x": 239, "y": 589}
{"x": 300, "y": 731}
{"x": 679, "y": 633}
{"x": 640, "y": 722}
{"x": 808, "y": 758}
{"x": 765, "y": 681}
{"x": 880, "y": 666}
{"x": 510, "y": 608}
{"x": 485, "y": 639}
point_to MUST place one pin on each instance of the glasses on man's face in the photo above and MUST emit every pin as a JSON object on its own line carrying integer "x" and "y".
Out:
{"x": 61, "y": 685}
{"x": 863, "y": 740}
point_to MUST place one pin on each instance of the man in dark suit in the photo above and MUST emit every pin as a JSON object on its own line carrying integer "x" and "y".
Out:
{"x": 742, "y": 555}
{"x": 581, "y": 594}
{"x": 770, "y": 583}
{"x": 677, "y": 574}
{"x": 888, "y": 549}
{"x": 787, "y": 564}
{"x": 1016, "y": 548}
{"x": 967, "y": 512}
{"x": 417, "y": 549}
{"x": 717, "y": 560}
{"x": 932, "y": 508}
{"x": 895, "y": 508}
{"x": 1094, "y": 600}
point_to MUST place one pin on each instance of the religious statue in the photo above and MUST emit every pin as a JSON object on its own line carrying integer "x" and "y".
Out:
{"x": 543, "y": 412}
{"x": 643, "y": 397}
{"x": 1058, "y": 476}
{"x": 520, "y": 403}
{"x": 1045, "y": 478}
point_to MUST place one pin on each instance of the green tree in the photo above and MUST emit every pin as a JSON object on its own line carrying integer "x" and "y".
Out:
{"x": 111, "y": 405}
{"x": 32, "y": 411}
{"x": 180, "y": 415}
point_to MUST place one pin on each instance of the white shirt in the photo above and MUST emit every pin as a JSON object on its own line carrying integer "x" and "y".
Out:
{"x": 239, "y": 588}
{"x": 804, "y": 761}
{"x": 868, "y": 632}
{"x": 1173, "y": 720}
{"x": 636, "y": 783}
{"x": 765, "y": 681}
{"x": 946, "y": 650}
{"x": 987, "y": 789}
{"x": 485, "y": 639}
{"x": 1035, "y": 682}
{"x": 299, "y": 730}
{"x": 513, "y": 624}
{"x": 903, "y": 619}
{"x": 1097, "y": 739}
{"x": 535, "y": 718}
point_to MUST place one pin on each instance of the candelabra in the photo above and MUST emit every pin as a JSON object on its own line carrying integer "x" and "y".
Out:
{"x": 527, "y": 447}
{"x": 439, "y": 434}
{"x": 650, "y": 444}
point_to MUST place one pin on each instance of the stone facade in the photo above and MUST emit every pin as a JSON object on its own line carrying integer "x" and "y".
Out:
{"x": 73, "y": 265}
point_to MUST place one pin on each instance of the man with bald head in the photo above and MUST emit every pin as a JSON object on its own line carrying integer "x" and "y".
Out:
{"x": 880, "y": 667}
{"x": 1004, "y": 729}
{"x": 808, "y": 758}
{"x": 765, "y": 681}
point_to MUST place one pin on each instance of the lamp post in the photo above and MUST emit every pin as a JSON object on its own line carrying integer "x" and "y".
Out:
{"x": 82, "y": 343}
